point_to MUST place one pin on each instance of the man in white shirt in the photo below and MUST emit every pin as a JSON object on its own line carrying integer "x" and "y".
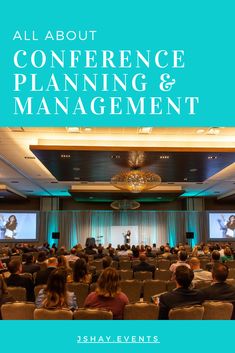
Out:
{"x": 199, "y": 273}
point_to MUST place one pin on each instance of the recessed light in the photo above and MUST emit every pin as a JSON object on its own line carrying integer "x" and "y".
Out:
{"x": 213, "y": 131}
{"x": 159, "y": 198}
{"x": 29, "y": 157}
{"x": 76, "y": 169}
{"x": 212, "y": 157}
{"x": 73, "y": 129}
{"x": 193, "y": 170}
{"x": 115, "y": 156}
{"x": 76, "y": 178}
{"x": 91, "y": 197}
{"x": 87, "y": 129}
{"x": 145, "y": 130}
{"x": 185, "y": 179}
{"x": 15, "y": 182}
{"x": 164, "y": 157}
{"x": 200, "y": 131}
{"x": 65, "y": 156}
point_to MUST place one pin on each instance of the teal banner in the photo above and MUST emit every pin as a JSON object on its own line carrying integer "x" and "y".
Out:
{"x": 106, "y": 336}
{"x": 102, "y": 63}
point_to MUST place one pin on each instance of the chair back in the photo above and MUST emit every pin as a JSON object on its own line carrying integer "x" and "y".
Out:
{"x": 163, "y": 264}
{"x": 231, "y": 273}
{"x": 141, "y": 311}
{"x": 216, "y": 310}
{"x": 143, "y": 275}
{"x": 38, "y": 288}
{"x": 201, "y": 284}
{"x": 125, "y": 265}
{"x": 132, "y": 289}
{"x": 98, "y": 264}
{"x": 17, "y": 311}
{"x": 153, "y": 287}
{"x": 170, "y": 285}
{"x": 17, "y": 293}
{"x": 80, "y": 290}
{"x": 92, "y": 314}
{"x": 164, "y": 275}
{"x": 53, "y": 314}
{"x": 230, "y": 263}
{"x": 125, "y": 274}
{"x": 194, "y": 312}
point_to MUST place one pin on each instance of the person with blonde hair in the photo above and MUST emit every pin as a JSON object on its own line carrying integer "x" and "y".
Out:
{"x": 108, "y": 294}
{"x": 55, "y": 295}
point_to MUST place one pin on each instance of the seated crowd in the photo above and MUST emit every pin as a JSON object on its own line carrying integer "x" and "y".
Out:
{"x": 54, "y": 269}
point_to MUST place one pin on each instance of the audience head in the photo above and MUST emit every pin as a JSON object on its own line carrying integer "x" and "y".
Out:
{"x": 56, "y": 290}
{"x": 142, "y": 257}
{"x": 182, "y": 255}
{"x": 52, "y": 262}
{"x": 227, "y": 251}
{"x": 183, "y": 276}
{"x": 215, "y": 255}
{"x": 108, "y": 283}
{"x": 106, "y": 261}
{"x": 14, "y": 266}
{"x": 194, "y": 263}
{"x": 29, "y": 258}
{"x": 79, "y": 270}
{"x": 220, "y": 272}
{"x": 41, "y": 256}
{"x": 62, "y": 261}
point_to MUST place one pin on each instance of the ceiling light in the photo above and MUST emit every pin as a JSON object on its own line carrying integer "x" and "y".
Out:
{"x": 65, "y": 156}
{"x": 164, "y": 157}
{"x": 192, "y": 170}
{"x": 87, "y": 129}
{"x": 29, "y": 157}
{"x": 212, "y": 157}
{"x": 76, "y": 178}
{"x": 135, "y": 180}
{"x": 145, "y": 130}
{"x": 74, "y": 130}
{"x": 125, "y": 205}
{"x": 213, "y": 131}
{"x": 76, "y": 169}
{"x": 200, "y": 131}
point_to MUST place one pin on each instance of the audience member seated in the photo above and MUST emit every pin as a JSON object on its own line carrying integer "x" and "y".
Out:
{"x": 42, "y": 276}
{"x": 100, "y": 253}
{"x": 80, "y": 272}
{"x": 167, "y": 254}
{"x": 64, "y": 266}
{"x": 199, "y": 273}
{"x": 182, "y": 258}
{"x": 4, "y": 297}
{"x": 55, "y": 294}
{"x": 41, "y": 260}
{"x": 182, "y": 295}
{"x": 15, "y": 280}
{"x": 215, "y": 258}
{"x": 112, "y": 254}
{"x": 123, "y": 251}
{"x": 90, "y": 250}
{"x": 149, "y": 252}
{"x": 220, "y": 290}
{"x": 228, "y": 256}
{"x": 72, "y": 257}
{"x": 135, "y": 251}
{"x": 144, "y": 266}
{"x": 29, "y": 266}
{"x": 108, "y": 294}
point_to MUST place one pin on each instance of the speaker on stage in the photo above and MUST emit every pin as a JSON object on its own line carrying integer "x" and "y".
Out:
{"x": 90, "y": 242}
{"x": 55, "y": 235}
{"x": 189, "y": 235}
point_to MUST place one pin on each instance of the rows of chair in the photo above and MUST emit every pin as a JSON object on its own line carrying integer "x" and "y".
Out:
{"x": 209, "y": 310}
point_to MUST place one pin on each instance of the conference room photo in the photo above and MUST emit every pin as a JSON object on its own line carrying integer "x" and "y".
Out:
{"x": 121, "y": 223}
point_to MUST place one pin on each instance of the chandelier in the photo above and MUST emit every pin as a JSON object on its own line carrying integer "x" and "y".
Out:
{"x": 125, "y": 205}
{"x": 135, "y": 180}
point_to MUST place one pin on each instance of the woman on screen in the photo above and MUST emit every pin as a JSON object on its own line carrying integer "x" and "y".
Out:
{"x": 10, "y": 227}
{"x": 230, "y": 226}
